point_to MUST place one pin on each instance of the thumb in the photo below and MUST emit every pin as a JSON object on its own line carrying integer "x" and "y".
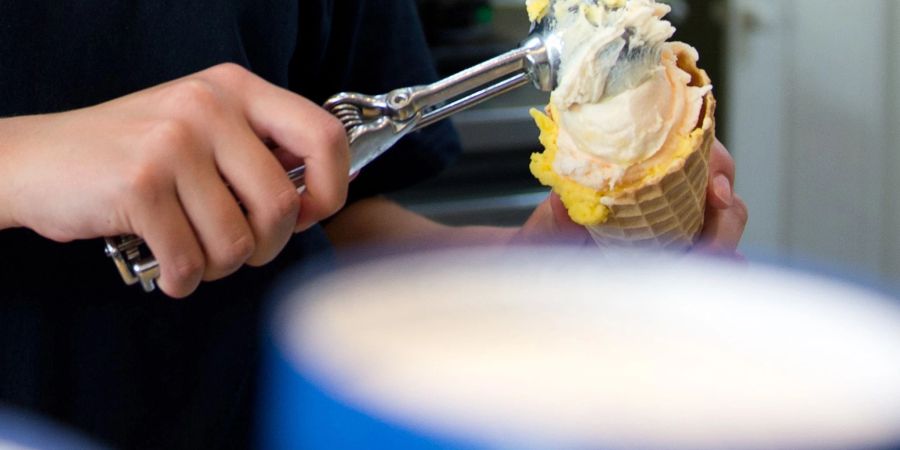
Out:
{"x": 550, "y": 223}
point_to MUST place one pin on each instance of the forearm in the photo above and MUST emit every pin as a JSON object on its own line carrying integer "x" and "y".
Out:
{"x": 13, "y": 135}
{"x": 380, "y": 222}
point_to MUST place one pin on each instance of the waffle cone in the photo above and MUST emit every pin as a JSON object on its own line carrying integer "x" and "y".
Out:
{"x": 668, "y": 212}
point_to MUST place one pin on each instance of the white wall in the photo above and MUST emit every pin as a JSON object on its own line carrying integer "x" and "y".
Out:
{"x": 757, "y": 108}
{"x": 892, "y": 193}
{"x": 813, "y": 128}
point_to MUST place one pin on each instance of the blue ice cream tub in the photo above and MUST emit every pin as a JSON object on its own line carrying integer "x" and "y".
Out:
{"x": 548, "y": 348}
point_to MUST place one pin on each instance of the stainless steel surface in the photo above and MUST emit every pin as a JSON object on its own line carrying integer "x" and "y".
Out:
{"x": 512, "y": 83}
{"x": 376, "y": 123}
{"x": 125, "y": 251}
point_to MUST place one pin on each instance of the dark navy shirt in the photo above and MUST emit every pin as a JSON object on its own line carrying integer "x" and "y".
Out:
{"x": 139, "y": 370}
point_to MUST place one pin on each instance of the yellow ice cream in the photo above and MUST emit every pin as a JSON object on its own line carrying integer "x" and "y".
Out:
{"x": 537, "y": 9}
{"x": 624, "y": 109}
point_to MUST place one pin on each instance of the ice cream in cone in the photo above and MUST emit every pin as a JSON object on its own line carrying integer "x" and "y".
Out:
{"x": 628, "y": 130}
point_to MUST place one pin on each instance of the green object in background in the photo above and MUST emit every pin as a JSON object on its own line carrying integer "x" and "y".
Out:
{"x": 484, "y": 15}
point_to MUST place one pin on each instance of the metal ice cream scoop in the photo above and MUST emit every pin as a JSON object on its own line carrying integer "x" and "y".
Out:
{"x": 375, "y": 123}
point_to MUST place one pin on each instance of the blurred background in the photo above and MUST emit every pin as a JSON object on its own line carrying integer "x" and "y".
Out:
{"x": 809, "y": 94}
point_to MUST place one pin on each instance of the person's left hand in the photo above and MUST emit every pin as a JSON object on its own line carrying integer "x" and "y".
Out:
{"x": 726, "y": 214}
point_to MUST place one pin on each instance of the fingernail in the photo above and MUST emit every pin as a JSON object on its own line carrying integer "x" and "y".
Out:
{"x": 722, "y": 188}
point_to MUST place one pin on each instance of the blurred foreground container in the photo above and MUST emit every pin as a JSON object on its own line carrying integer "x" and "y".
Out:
{"x": 547, "y": 348}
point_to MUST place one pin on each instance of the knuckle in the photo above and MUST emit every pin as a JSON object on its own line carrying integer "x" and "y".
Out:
{"x": 169, "y": 136}
{"x": 194, "y": 95}
{"x": 229, "y": 72}
{"x": 286, "y": 204}
{"x": 185, "y": 268}
{"x": 165, "y": 146}
{"x": 326, "y": 204}
{"x": 146, "y": 183}
{"x": 144, "y": 187}
{"x": 283, "y": 208}
{"x": 238, "y": 250}
{"x": 333, "y": 136}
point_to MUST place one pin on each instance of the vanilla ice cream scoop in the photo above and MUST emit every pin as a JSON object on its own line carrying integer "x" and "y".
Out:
{"x": 621, "y": 97}
{"x": 630, "y": 123}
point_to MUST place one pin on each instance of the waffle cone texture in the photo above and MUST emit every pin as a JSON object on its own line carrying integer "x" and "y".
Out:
{"x": 665, "y": 210}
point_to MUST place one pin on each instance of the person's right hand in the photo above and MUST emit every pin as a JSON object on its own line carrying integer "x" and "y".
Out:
{"x": 170, "y": 164}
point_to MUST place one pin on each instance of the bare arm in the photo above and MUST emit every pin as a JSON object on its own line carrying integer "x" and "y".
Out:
{"x": 170, "y": 164}
{"x": 378, "y": 221}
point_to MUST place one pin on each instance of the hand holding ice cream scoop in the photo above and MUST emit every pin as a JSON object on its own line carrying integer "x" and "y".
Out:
{"x": 630, "y": 124}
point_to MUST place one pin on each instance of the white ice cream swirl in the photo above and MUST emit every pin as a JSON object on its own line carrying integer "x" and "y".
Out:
{"x": 621, "y": 97}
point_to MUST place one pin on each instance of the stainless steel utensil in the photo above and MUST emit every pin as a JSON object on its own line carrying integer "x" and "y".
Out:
{"x": 375, "y": 123}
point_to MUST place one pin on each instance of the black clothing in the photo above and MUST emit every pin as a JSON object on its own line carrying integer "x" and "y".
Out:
{"x": 143, "y": 371}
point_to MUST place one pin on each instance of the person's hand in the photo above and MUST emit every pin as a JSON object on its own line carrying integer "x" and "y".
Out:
{"x": 550, "y": 224}
{"x": 170, "y": 164}
{"x": 726, "y": 214}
